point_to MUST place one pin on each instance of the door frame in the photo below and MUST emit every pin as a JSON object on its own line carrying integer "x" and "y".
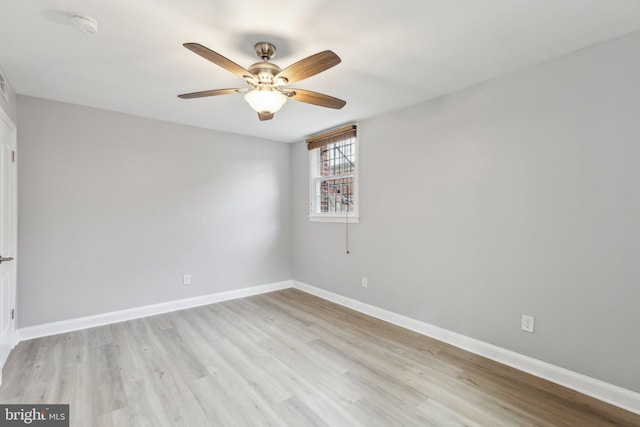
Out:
{"x": 4, "y": 117}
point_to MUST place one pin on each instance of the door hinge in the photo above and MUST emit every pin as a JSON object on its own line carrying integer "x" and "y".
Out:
{"x": 13, "y": 313}
{"x": 13, "y": 157}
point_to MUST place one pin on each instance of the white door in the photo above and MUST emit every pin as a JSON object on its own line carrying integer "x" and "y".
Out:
{"x": 8, "y": 235}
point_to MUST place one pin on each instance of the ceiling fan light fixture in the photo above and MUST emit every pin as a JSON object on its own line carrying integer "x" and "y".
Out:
{"x": 265, "y": 100}
{"x": 267, "y": 92}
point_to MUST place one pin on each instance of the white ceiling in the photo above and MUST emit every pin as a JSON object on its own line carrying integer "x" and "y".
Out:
{"x": 394, "y": 53}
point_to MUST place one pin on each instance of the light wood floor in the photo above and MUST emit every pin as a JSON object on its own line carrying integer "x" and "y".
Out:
{"x": 284, "y": 359}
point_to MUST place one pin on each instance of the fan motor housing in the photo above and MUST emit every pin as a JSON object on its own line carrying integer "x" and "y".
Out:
{"x": 264, "y": 71}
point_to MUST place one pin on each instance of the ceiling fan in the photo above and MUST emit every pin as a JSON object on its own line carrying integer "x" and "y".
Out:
{"x": 267, "y": 93}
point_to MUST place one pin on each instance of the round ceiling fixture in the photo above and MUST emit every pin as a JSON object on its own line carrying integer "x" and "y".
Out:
{"x": 85, "y": 24}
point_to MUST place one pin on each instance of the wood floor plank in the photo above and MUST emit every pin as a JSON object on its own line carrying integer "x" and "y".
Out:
{"x": 296, "y": 413}
{"x": 282, "y": 359}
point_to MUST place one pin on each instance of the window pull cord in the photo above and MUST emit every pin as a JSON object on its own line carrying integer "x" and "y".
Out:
{"x": 346, "y": 231}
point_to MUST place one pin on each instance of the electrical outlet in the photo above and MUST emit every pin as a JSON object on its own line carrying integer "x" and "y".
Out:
{"x": 365, "y": 282}
{"x": 527, "y": 323}
{"x": 186, "y": 279}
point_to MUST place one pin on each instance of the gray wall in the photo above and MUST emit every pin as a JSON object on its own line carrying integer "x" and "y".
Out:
{"x": 519, "y": 195}
{"x": 114, "y": 209}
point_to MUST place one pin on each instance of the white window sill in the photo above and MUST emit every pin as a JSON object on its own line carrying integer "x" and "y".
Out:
{"x": 351, "y": 219}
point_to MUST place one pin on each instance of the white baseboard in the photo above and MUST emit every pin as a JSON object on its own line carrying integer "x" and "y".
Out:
{"x": 144, "y": 311}
{"x": 618, "y": 396}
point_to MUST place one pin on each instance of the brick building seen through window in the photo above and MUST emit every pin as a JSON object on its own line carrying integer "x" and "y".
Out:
{"x": 336, "y": 161}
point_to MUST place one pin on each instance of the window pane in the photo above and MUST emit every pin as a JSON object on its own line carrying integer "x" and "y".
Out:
{"x": 336, "y": 195}
{"x": 337, "y": 158}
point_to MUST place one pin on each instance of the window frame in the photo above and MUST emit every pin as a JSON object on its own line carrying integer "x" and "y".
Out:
{"x": 315, "y": 179}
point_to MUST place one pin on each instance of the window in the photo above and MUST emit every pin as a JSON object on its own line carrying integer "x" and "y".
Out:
{"x": 333, "y": 178}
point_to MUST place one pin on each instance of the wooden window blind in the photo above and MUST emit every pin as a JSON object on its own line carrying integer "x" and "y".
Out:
{"x": 332, "y": 136}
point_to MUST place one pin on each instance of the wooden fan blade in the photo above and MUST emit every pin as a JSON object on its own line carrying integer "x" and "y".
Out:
{"x": 309, "y": 66}
{"x": 208, "y": 93}
{"x": 217, "y": 59}
{"x": 265, "y": 116}
{"x": 316, "y": 98}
